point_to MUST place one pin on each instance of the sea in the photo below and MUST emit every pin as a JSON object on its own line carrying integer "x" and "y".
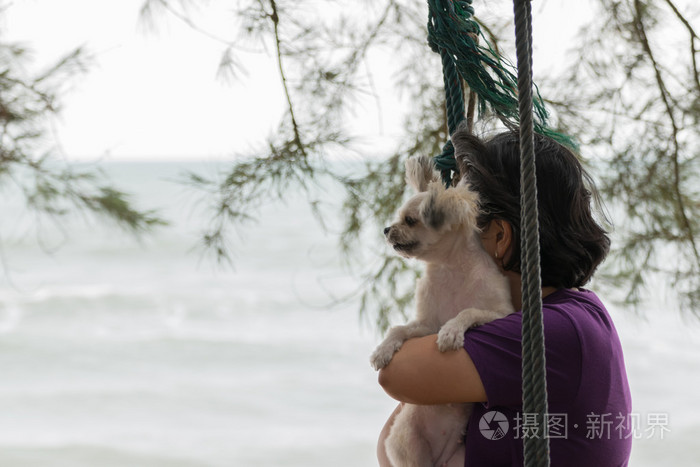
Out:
{"x": 122, "y": 350}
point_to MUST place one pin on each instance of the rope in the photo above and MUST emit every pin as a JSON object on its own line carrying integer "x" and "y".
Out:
{"x": 536, "y": 447}
{"x": 454, "y": 104}
{"x": 453, "y": 34}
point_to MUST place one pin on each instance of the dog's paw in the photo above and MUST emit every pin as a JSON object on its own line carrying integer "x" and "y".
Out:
{"x": 451, "y": 336}
{"x": 383, "y": 354}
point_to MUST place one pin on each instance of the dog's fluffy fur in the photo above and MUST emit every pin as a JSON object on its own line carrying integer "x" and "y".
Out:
{"x": 462, "y": 287}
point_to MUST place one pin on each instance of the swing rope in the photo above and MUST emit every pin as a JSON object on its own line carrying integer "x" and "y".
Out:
{"x": 454, "y": 34}
{"x": 535, "y": 448}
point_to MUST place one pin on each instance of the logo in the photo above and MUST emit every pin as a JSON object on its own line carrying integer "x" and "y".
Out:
{"x": 493, "y": 425}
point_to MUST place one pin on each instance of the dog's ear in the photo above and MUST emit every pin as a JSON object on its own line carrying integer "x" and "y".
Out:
{"x": 432, "y": 211}
{"x": 451, "y": 206}
{"x": 469, "y": 201}
{"x": 420, "y": 171}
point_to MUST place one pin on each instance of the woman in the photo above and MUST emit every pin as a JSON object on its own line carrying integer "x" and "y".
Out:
{"x": 588, "y": 393}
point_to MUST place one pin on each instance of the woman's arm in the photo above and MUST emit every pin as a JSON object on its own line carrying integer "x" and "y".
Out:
{"x": 420, "y": 374}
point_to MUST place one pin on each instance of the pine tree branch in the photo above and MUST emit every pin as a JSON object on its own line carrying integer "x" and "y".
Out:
{"x": 666, "y": 99}
{"x": 145, "y": 10}
{"x": 693, "y": 37}
{"x": 228, "y": 63}
{"x": 274, "y": 17}
{"x": 360, "y": 52}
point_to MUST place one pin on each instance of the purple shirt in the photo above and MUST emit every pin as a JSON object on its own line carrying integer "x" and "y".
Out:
{"x": 587, "y": 390}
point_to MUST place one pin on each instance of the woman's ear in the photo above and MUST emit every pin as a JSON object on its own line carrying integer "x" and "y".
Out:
{"x": 504, "y": 239}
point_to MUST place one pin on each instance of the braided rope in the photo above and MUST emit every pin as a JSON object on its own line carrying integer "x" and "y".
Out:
{"x": 450, "y": 33}
{"x": 454, "y": 92}
{"x": 454, "y": 34}
{"x": 536, "y": 448}
{"x": 452, "y": 29}
{"x": 454, "y": 104}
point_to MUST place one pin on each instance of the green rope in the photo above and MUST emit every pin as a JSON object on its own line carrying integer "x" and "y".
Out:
{"x": 454, "y": 102}
{"x": 452, "y": 32}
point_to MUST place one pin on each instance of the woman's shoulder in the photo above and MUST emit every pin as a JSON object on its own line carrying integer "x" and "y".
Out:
{"x": 569, "y": 315}
{"x": 573, "y": 299}
{"x": 580, "y": 315}
{"x": 561, "y": 306}
{"x": 580, "y": 307}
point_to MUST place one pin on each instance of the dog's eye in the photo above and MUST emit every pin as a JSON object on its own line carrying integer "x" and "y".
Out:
{"x": 410, "y": 221}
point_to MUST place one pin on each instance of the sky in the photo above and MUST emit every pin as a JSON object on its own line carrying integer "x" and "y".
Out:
{"x": 149, "y": 94}
{"x": 153, "y": 94}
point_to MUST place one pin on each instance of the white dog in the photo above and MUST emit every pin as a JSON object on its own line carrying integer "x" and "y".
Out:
{"x": 462, "y": 287}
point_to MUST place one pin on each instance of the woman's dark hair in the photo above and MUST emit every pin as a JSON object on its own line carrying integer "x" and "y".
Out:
{"x": 572, "y": 243}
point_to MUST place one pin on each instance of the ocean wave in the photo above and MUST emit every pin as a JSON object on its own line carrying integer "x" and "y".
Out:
{"x": 77, "y": 454}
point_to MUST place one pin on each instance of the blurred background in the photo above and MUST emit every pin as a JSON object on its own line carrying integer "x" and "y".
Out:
{"x": 193, "y": 195}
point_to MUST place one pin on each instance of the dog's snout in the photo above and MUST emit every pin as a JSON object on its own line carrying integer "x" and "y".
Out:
{"x": 386, "y": 230}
